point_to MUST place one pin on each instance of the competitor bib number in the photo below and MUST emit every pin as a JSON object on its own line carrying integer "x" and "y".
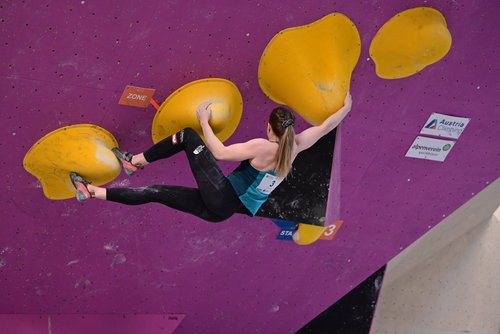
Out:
{"x": 268, "y": 184}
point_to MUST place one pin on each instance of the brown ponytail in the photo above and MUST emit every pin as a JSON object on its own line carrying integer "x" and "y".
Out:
{"x": 282, "y": 122}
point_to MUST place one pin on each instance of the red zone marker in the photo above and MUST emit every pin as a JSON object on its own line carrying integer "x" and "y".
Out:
{"x": 138, "y": 97}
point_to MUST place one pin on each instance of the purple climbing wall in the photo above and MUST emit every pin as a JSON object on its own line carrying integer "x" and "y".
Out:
{"x": 66, "y": 63}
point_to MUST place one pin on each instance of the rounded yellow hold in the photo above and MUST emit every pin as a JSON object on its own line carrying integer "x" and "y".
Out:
{"x": 178, "y": 111}
{"x": 309, "y": 67}
{"x": 307, "y": 234}
{"x": 81, "y": 148}
{"x": 409, "y": 42}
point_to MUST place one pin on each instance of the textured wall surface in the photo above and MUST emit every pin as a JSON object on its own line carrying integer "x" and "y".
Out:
{"x": 447, "y": 281}
{"x": 89, "y": 323}
{"x": 66, "y": 63}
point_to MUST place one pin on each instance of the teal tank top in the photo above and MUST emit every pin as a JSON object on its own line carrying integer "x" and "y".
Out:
{"x": 253, "y": 186}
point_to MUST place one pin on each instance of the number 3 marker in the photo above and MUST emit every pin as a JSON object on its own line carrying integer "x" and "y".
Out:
{"x": 331, "y": 230}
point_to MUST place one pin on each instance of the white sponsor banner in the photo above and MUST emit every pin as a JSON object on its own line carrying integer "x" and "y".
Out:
{"x": 445, "y": 126}
{"x": 430, "y": 148}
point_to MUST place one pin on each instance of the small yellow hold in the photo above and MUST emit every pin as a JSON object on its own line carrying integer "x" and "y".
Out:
{"x": 178, "y": 111}
{"x": 81, "y": 148}
{"x": 409, "y": 42}
{"x": 309, "y": 67}
{"x": 307, "y": 234}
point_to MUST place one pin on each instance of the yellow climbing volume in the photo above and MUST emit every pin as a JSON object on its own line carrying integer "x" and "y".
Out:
{"x": 409, "y": 42}
{"x": 309, "y": 67}
{"x": 82, "y": 148}
{"x": 178, "y": 111}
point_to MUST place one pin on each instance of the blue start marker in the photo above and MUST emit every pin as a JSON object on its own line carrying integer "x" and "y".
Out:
{"x": 287, "y": 229}
{"x": 285, "y": 234}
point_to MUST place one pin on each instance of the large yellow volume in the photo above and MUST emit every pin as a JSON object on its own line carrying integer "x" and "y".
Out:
{"x": 82, "y": 148}
{"x": 178, "y": 111}
{"x": 409, "y": 42}
{"x": 309, "y": 67}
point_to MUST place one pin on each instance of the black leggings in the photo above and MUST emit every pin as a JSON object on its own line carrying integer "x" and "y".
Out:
{"x": 215, "y": 199}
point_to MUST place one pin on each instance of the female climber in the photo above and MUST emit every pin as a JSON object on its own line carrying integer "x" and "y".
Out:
{"x": 264, "y": 164}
